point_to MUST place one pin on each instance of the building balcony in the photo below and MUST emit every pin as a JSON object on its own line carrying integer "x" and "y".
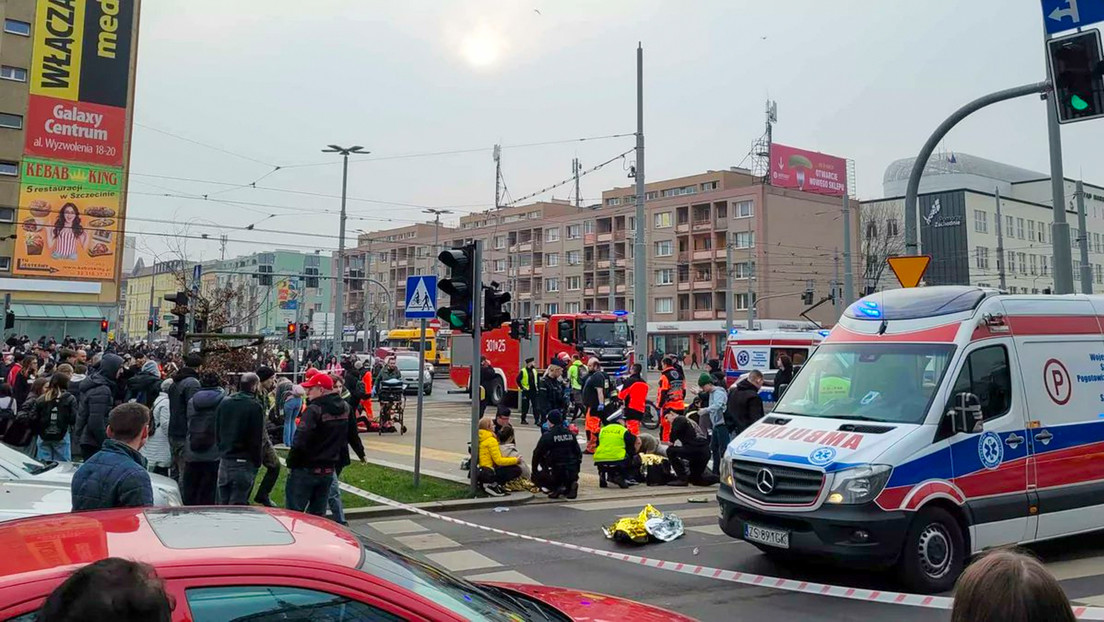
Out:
{"x": 603, "y": 290}
{"x": 702, "y": 225}
{"x": 620, "y": 234}
{"x": 524, "y": 295}
{"x": 621, "y": 288}
{"x": 721, "y": 224}
{"x": 684, "y": 286}
{"x": 719, "y": 253}
{"x": 684, "y": 315}
{"x": 588, "y": 264}
{"x": 605, "y": 237}
{"x": 682, "y": 227}
{"x": 525, "y": 247}
{"x": 603, "y": 264}
{"x": 525, "y": 270}
{"x": 588, "y": 290}
{"x": 704, "y": 284}
{"x": 705, "y": 314}
{"x": 705, "y": 254}
{"x": 589, "y": 238}
{"x": 684, "y": 256}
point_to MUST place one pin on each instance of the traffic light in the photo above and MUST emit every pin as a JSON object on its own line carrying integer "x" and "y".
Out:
{"x": 178, "y": 326}
{"x": 103, "y": 326}
{"x": 291, "y": 330}
{"x": 519, "y": 329}
{"x": 493, "y": 312}
{"x": 1075, "y": 64}
{"x": 304, "y": 331}
{"x": 149, "y": 325}
{"x": 9, "y": 320}
{"x": 461, "y": 264}
{"x": 199, "y": 318}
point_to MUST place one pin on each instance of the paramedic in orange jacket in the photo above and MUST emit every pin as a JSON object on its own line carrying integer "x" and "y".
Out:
{"x": 366, "y": 403}
{"x": 672, "y": 390}
{"x": 634, "y": 393}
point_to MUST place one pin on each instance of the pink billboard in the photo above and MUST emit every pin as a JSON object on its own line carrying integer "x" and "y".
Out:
{"x": 807, "y": 171}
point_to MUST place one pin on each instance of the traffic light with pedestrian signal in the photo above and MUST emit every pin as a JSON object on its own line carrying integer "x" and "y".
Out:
{"x": 291, "y": 330}
{"x": 459, "y": 285}
{"x": 178, "y": 326}
{"x": 1076, "y": 67}
{"x": 494, "y": 307}
{"x": 103, "y": 326}
{"x": 9, "y": 320}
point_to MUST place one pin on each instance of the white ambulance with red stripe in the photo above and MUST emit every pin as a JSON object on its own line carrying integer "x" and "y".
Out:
{"x": 931, "y": 424}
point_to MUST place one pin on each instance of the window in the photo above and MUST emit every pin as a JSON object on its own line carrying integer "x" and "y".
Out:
{"x": 7, "y": 72}
{"x": 551, "y": 260}
{"x": 871, "y": 231}
{"x": 1096, "y": 242}
{"x": 707, "y": 186}
{"x": 552, "y": 285}
{"x": 1096, "y": 271}
{"x": 574, "y": 258}
{"x": 1008, "y": 229}
{"x": 613, "y": 201}
{"x": 981, "y": 221}
{"x": 744, "y": 270}
{"x": 500, "y": 265}
{"x": 269, "y": 603}
{"x": 7, "y": 167}
{"x": 742, "y": 300}
{"x": 1011, "y": 261}
{"x": 891, "y": 227}
{"x": 662, "y": 220}
{"x": 1042, "y": 232}
{"x": 553, "y": 308}
{"x": 17, "y": 27}
{"x": 588, "y": 226}
{"x": 7, "y": 214}
{"x": 744, "y": 209}
{"x": 1075, "y": 237}
{"x": 574, "y": 307}
{"x": 985, "y": 374}
{"x": 982, "y": 260}
{"x": 574, "y": 232}
{"x": 1023, "y": 263}
{"x": 1031, "y": 230}
{"x": 5, "y": 264}
{"x": 664, "y": 305}
{"x": 574, "y": 283}
{"x": 1020, "y": 228}
{"x": 744, "y": 239}
{"x": 665, "y": 276}
{"x": 1043, "y": 265}
{"x": 552, "y": 235}
{"x": 500, "y": 241}
{"x": 664, "y": 248}
{"x": 1034, "y": 260}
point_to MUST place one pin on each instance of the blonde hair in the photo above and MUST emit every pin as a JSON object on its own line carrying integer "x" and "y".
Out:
{"x": 486, "y": 424}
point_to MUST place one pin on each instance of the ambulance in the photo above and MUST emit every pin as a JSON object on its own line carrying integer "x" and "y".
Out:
{"x": 968, "y": 419}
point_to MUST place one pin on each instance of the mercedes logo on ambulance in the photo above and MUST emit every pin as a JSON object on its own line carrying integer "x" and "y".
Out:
{"x": 764, "y": 481}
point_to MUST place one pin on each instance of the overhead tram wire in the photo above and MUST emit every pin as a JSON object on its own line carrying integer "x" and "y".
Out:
{"x": 572, "y": 178}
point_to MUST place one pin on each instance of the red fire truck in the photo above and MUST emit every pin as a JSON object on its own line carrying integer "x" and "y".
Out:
{"x": 606, "y": 336}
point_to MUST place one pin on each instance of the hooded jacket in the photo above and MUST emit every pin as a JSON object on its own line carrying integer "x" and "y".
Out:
{"x": 185, "y": 385}
{"x": 490, "y": 454}
{"x": 97, "y": 398}
{"x": 745, "y": 407}
{"x": 202, "y": 438}
{"x": 145, "y": 386}
{"x": 322, "y": 434}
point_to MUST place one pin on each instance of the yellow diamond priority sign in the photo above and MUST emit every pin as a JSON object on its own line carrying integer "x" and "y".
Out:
{"x": 909, "y": 269}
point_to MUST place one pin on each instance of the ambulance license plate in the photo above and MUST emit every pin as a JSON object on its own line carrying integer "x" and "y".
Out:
{"x": 770, "y": 537}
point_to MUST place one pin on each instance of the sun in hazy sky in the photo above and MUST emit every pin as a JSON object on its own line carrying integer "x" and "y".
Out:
{"x": 482, "y": 46}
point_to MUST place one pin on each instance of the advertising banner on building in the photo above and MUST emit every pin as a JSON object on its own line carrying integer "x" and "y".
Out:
{"x": 79, "y": 131}
{"x": 287, "y": 294}
{"x": 82, "y": 50}
{"x": 808, "y": 171}
{"x": 68, "y": 220}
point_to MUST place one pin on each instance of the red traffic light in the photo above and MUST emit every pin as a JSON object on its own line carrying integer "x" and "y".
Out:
{"x": 291, "y": 330}
{"x": 103, "y": 326}
{"x": 149, "y": 326}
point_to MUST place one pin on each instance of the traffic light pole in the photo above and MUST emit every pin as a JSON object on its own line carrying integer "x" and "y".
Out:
{"x": 476, "y": 364}
{"x": 1059, "y": 232}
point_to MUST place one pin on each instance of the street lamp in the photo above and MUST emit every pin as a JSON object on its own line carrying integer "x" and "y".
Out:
{"x": 436, "y": 231}
{"x": 339, "y": 292}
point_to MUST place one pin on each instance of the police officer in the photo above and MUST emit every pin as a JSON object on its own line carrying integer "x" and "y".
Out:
{"x": 527, "y": 384}
{"x": 557, "y": 457}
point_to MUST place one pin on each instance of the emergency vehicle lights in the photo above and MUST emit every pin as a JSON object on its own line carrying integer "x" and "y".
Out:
{"x": 620, "y": 312}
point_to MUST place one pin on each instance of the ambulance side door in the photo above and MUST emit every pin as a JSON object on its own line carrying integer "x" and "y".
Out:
{"x": 990, "y": 465}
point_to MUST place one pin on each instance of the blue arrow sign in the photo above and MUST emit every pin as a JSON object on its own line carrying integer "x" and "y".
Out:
{"x": 421, "y": 297}
{"x": 1059, "y": 15}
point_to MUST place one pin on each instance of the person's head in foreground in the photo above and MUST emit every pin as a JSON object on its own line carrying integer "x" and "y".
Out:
{"x": 112, "y": 589}
{"x": 1006, "y": 586}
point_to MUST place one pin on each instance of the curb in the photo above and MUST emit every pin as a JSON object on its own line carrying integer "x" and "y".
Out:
{"x": 410, "y": 469}
{"x": 453, "y": 505}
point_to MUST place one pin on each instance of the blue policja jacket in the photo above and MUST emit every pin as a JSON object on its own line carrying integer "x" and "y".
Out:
{"x": 115, "y": 477}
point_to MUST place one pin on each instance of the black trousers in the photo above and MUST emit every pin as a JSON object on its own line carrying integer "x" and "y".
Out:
{"x": 529, "y": 400}
{"x": 199, "y": 484}
{"x": 619, "y": 469}
{"x": 268, "y": 482}
{"x": 696, "y": 457}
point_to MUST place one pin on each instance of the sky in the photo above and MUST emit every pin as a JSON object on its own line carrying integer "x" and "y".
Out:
{"x": 229, "y": 91}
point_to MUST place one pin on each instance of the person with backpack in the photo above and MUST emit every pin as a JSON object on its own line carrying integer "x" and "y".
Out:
{"x": 97, "y": 398}
{"x": 21, "y": 433}
{"x": 55, "y": 412}
{"x": 199, "y": 485}
{"x": 156, "y": 450}
{"x": 144, "y": 386}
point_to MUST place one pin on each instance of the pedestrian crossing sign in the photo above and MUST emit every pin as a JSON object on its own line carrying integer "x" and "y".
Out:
{"x": 421, "y": 297}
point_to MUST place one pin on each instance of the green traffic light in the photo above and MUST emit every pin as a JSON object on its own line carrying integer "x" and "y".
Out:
{"x": 1078, "y": 103}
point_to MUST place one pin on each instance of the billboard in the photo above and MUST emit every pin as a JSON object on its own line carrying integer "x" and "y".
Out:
{"x": 287, "y": 294}
{"x": 808, "y": 171}
{"x": 68, "y": 130}
{"x": 943, "y": 236}
{"x": 69, "y": 225}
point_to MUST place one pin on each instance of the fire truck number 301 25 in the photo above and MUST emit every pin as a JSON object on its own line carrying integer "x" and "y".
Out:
{"x": 495, "y": 345}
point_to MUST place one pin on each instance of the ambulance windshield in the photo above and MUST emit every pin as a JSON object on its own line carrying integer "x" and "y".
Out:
{"x": 888, "y": 382}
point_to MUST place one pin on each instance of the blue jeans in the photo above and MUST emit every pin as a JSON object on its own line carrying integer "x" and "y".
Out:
{"x": 718, "y": 444}
{"x": 235, "y": 481}
{"x": 334, "y": 499}
{"x": 308, "y": 489}
{"x": 55, "y": 451}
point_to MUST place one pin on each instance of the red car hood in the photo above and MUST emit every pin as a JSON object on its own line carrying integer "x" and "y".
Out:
{"x": 590, "y": 607}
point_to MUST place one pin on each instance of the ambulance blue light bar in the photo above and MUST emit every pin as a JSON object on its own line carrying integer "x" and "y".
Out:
{"x": 917, "y": 302}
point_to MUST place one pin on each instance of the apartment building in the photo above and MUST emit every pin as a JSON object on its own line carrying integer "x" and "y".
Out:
{"x": 555, "y": 257}
{"x": 144, "y": 298}
{"x": 958, "y": 224}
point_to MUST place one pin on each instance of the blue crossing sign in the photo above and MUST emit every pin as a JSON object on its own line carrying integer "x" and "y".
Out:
{"x": 1059, "y": 15}
{"x": 421, "y": 297}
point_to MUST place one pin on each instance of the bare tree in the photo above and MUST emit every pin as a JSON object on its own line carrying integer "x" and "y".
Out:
{"x": 881, "y": 239}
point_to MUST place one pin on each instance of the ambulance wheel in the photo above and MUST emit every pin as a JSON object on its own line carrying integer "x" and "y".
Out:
{"x": 934, "y": 553}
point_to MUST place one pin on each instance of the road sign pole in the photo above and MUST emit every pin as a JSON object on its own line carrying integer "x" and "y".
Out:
{"x": 421, "y": 399}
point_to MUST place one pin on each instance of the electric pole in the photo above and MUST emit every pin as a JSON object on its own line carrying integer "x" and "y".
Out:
{"x": 750, "y": 276}
{"x": 613, "y": 280}
{"x": 728, "y": 286}
{"x": 1000, "y": 242}
{"x": 436, "y": 232}
{"x": 339, "y": 270}
{"x": 848, "y": 260}
{"x": 640, "y": 268}
{"x": 498, "y": 175}
{"x": 1083, "y": 241}
{"x": 575, "y": 171}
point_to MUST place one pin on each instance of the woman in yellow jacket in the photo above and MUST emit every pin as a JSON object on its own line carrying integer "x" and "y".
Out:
{"x": 494, "y": 468}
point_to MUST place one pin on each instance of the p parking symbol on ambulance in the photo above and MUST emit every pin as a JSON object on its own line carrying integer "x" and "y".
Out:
{"x": 1056, "y": 379}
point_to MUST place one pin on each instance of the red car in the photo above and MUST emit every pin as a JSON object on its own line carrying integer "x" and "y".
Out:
{"x": 256, "y": 564}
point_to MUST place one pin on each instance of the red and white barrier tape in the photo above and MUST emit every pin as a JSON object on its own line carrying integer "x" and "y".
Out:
{"x": 791, "y": 585}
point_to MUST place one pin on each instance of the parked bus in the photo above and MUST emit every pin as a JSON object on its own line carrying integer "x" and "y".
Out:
{"x": 409, "y": 338}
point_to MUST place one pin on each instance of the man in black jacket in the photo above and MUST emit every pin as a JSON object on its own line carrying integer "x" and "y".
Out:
{"x": 690, "y": 455}
{"x": 487, "y": 380}
{"x": 745, "y": 407}
{"x": 316, "y": 450}
{"x": 556, "y": 459}
{"x": 184, "y": 387}
{"x": 144, "y": 386}
{"x": 240, "y": 438}
{"x": 97, "y": 398}
{"x": 337, "y": 509}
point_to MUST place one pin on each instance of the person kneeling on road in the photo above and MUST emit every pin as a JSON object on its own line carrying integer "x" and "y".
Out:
{"x": 556, "y": 459}
{"x": 614, "y": 453}
{"x": 692, "y": 449}
{"x": 494, "y": 468}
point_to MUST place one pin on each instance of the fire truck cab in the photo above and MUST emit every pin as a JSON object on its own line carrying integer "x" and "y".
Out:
{"x": 930, "y": 425}
{"x": 606, "y": 336}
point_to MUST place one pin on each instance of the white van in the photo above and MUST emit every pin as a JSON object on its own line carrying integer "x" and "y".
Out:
{"x": 931, "y": 424}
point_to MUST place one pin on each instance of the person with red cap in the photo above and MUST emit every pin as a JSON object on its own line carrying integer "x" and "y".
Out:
{"x": 317, "y": 447}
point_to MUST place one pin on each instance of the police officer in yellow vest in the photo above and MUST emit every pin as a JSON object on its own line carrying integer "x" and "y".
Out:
{"x": 615, "y": 451}
{"x": 527, "y": 387}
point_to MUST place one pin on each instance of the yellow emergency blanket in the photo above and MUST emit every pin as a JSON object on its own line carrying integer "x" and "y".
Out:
{"x": 639, "y": 529}
{"x": 650, "y": 459}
